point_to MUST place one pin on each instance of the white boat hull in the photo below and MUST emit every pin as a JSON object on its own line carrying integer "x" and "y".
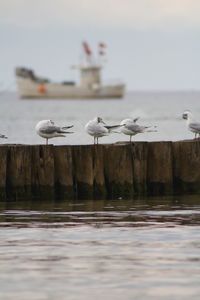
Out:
{"x": 30, "y": 89}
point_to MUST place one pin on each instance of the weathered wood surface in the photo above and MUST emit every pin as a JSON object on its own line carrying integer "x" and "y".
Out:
{"x": 83, "y": 171}
{"x": 18, "y": 177}
{"x": 42, "y": 171}
{"x": 159, "y": 168}
{"x": 120, "y": 170}
{"x": 139, "y": 163}
{"x": 186, "y": 163}
{"x": 3, "y": 171}
{"x": 64, "y": 184}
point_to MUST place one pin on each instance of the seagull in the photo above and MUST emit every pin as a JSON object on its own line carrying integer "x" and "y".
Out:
{"x": 129, "y": 127}
{"x": 193, "y": 126}
{"x": 98, "y": 128}
{"x": 47, "y": 129}
{"x": 2, "y": 136}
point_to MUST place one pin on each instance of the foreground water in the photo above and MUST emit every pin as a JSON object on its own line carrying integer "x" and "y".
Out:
{"x": 134, "y": 249}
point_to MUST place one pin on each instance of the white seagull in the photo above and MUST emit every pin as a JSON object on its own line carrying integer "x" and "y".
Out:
{"x": 192, "y": 125}
{"x": 47, "y": 129}
{"x": 129, "y": 127}
{"x": 97, "y": 128}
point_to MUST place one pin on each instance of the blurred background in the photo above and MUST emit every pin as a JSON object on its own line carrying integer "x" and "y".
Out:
{"x": 152, "y": 46}
{"x": 145, "y": 248}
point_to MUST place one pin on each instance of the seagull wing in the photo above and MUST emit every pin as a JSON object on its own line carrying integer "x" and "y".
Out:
{"x": 96, "y": 128}
{"x": 135, "y": 128}
{"x": 51, "y": 129}
{"x": 195, "y": 126}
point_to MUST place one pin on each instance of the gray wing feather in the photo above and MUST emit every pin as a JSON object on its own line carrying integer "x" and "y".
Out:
{"x": 50, "y": 129}
{"x": 134, "y": 127}
{"x": 195, "y": 126}
{"x": 54, "y": 129}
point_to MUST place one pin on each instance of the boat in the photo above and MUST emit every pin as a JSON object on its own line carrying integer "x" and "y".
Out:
{"x": 90, "y": 86}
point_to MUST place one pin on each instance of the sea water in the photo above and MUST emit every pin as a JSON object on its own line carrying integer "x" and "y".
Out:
{"x": 120, "y": 249}
{"x": 18, "y": 117}
{"x": 130, "y": 249}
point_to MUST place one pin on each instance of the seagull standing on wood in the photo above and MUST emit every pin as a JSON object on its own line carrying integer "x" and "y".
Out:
{"x": 129, "y": 127}
{"x": 98, "y": 128}
{"x": 192, "y": 125}
{"x": 47, "y": 129}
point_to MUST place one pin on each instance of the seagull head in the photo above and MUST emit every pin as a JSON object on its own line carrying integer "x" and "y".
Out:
{"x": 51, "y": 122}
{"x": 126, "y": 121}
{"x": 136, "y": 119}
{"x": 187, "y": 115}
{"x": 100, "y": 120}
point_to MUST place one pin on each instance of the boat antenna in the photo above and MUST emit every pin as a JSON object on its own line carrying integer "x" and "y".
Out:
{"x": 102, "y": 53}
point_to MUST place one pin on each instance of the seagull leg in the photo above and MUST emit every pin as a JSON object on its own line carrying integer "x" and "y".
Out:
{"x": 195, "y": 135}
{"x": 46, "y": 141}
{"x": 94, "y": 139}
{"x": 130, "y": 138}
{"x": 97, "y": 140}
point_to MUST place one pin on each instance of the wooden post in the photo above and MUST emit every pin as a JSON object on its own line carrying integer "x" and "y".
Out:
{"x": 186, "y": 157}
{"x": 139, "y": 152}
{"x": 83, "y": 171}
{"x": 19, "y": 172}
{"x": 63, "y": 172}
{"x": 3, "y": 171}
{"x": 118, "y": 171}
{"x": 99, "y": 187}
{"x": 160, "y": 168}
{"x": 43, "y": 171}
{"x": 112, "y": 171}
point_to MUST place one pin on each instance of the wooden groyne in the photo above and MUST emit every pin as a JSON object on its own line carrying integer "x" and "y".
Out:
{"x": 99, "y": 171}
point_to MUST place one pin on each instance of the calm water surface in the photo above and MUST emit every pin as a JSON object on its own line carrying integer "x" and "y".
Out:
{"x": 144, "y": 249}
{"x": 130, "y": 249}
{"x": 162, "y": 109}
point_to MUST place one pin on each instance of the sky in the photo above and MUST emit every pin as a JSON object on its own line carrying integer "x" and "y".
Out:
{"x": 151, "y": 44}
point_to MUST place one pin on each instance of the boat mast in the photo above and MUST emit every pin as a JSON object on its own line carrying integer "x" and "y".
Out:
{"x": 90, "y": 70}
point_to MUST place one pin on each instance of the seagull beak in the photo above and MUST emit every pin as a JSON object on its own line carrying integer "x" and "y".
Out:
{"x": 103, "y": 122}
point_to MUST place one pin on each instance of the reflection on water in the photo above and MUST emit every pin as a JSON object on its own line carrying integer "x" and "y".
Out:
{"x": 134, "y": 249}
{"x": 123, "y": 213}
